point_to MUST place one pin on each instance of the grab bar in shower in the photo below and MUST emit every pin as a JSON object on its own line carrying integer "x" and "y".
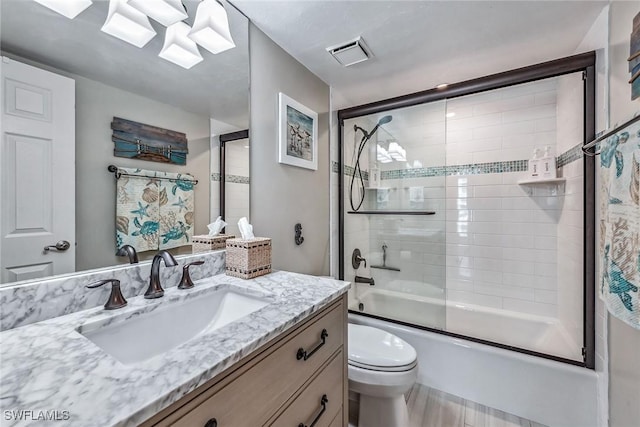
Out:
{"x": 384, "y": 260}
{"x": 384, "y": 267}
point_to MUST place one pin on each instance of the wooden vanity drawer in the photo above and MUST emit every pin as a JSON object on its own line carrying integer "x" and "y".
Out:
{"x": 308, "y": 406}
{"x": 258, "y": 393}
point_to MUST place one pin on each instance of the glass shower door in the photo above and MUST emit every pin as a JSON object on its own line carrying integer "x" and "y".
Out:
{"x": 394, "y": 223}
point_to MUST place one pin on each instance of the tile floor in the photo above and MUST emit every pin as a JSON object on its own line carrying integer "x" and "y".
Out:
{"x": 429, "y": 407}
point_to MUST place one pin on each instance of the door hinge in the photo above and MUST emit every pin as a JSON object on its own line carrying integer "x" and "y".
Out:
{"x": 584, "y": 75}
{"x": 584, "y": 352}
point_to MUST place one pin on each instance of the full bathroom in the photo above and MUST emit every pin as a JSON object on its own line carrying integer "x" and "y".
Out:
{"x": 319, "y": 213}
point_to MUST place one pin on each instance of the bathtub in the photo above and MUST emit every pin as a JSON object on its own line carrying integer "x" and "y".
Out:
{"x": 542, "y": 390}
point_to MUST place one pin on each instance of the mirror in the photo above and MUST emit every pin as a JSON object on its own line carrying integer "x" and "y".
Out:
{"x": 113, "y": 78}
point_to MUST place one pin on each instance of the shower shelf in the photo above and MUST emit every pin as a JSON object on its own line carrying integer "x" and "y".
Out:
{"x": 381, "y": 212}
{"x": 542, "y": 181}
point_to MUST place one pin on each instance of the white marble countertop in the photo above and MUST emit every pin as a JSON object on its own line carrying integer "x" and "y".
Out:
{"x": 49, "y": 366}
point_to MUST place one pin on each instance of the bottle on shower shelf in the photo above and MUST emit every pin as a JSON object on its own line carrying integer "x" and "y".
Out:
{"x": 534, "y": 164}
{"x": 548, "y": 164}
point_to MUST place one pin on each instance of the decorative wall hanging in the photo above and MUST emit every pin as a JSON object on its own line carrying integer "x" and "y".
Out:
{"x": 154, "y": 210}
{"x": 634, "y": 58}
{"x": 135, "y": 140}
{"x": 298, "y": 134}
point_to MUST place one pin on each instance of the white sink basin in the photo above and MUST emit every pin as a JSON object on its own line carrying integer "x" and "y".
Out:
{"x": 150, "y": 334}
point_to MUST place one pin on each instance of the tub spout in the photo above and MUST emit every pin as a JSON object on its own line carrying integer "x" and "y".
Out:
{"x": 369, "y": 280}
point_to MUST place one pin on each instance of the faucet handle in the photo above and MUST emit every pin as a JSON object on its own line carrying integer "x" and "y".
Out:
{"x": 128, "y": 251}
{"x": 116, "y": 299}
{"x": 186, "y": 282}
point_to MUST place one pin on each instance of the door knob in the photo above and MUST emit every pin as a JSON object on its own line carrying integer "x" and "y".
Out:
{"x": 62, "y": 246}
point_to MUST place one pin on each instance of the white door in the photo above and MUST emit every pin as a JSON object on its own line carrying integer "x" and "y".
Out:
{"x": 37, "y": 160}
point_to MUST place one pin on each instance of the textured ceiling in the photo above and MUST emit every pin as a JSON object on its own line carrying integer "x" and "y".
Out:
{"x": 419, "y": 44}
{"x": 217, "y": 87}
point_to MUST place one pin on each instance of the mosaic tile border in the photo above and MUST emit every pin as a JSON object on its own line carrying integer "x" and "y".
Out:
{"x": 569, "y": 156}
{"x": 234, "y": 179}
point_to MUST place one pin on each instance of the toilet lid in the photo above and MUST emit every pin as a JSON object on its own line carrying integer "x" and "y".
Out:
{"x": 376, "y": 348}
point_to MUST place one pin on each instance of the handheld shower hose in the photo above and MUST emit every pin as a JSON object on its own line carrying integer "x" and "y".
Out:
{"x": 357, "y": 170}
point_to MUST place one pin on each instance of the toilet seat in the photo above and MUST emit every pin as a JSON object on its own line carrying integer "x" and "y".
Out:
{"x": 376, "y": 350}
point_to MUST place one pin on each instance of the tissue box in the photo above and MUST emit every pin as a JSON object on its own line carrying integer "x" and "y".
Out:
{"x": 247, "y": 259}
{"x": 206, "y": 243}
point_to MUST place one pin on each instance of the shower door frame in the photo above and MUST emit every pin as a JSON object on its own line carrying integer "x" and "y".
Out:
{"x": 585, "y": 63}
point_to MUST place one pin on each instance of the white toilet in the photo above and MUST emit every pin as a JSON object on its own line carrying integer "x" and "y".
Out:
{"x": 382, "y": 367}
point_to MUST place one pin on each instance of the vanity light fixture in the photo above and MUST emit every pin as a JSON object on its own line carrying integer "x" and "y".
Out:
{"x": 211, "y": 27}
{"x": 178, "y": 48}
{"x": 128, "y": 24}
{"x": 166, "y": 12}
{"x": 450, "y": 114}
{"x": 442, "y": 86}
{"x": 68, "y": 8}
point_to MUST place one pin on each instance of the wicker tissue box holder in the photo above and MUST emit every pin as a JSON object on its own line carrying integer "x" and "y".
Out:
{"x": 206, "y": 243}
{"x": 247, "y": 259}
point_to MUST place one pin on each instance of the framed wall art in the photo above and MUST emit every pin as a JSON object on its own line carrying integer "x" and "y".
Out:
{"x": 298, "y": 134}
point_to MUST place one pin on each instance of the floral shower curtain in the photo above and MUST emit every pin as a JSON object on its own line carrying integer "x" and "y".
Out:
{"x": 620, "y": 224}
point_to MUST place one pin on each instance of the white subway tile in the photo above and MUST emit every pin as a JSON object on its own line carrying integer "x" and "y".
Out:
{"x": 460, "y": 250}
{"x": 518, "y": 267}
{"x": 541, "y": 282}
{"x": 518, "y": 241}
{"x": 519, "y": 203}
{"x": 520, "y": 306}
{"x": 484, "y": 203}
{"x": 460, "y": 285}
{"x": 545, "y": 296}
{"x": 459, "y": 261}
{"x": 544, "y": 98}
{"x": 546, "y": 242}
{"x": 522, "y": 280}
{"x": 545, "y": 269}
{"x": 487, "y": 276}
{"x": 522, "y": 216}
{"x": 489, "y": 264}
{"x": 459, "y": 273}
{"x": 463, "y": 297}
{"x": 487, "y": 240}
{"x": 532, "y": 113}
{"x": 488, "y": 215}
{"x": 504, "y": 291}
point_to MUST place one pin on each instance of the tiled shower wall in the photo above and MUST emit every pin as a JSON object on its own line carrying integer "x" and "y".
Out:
{"x": 492, "y": 242}
{"x": 501, "y": 236}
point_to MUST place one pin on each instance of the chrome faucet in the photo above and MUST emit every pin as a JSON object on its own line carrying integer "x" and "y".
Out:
{"x": 155, "y": 289}
{"x": 130, "y": 251}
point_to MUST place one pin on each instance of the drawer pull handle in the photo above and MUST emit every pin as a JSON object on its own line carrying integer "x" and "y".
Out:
{"x": 323, "y": 403}
{"x": 211, "y": 423}
{"x": 302, "y": 353}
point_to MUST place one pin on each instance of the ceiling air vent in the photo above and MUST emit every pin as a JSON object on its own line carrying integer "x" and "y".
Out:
{"x": 350, "y": 53}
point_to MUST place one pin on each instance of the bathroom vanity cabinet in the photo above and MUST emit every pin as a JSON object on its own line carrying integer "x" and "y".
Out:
{"x": 296, "y": 378}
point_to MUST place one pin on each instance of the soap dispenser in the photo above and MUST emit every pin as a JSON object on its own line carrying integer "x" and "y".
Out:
{"x": 548, "y": 164}
{"x": 534, "y": 164}
{"x": 374, "y": 177}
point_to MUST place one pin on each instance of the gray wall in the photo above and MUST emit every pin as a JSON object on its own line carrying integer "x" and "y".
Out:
{"x": 282, "y": 195}
{"x": 96, "y": 105}
{"x": 624, "y": 341}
